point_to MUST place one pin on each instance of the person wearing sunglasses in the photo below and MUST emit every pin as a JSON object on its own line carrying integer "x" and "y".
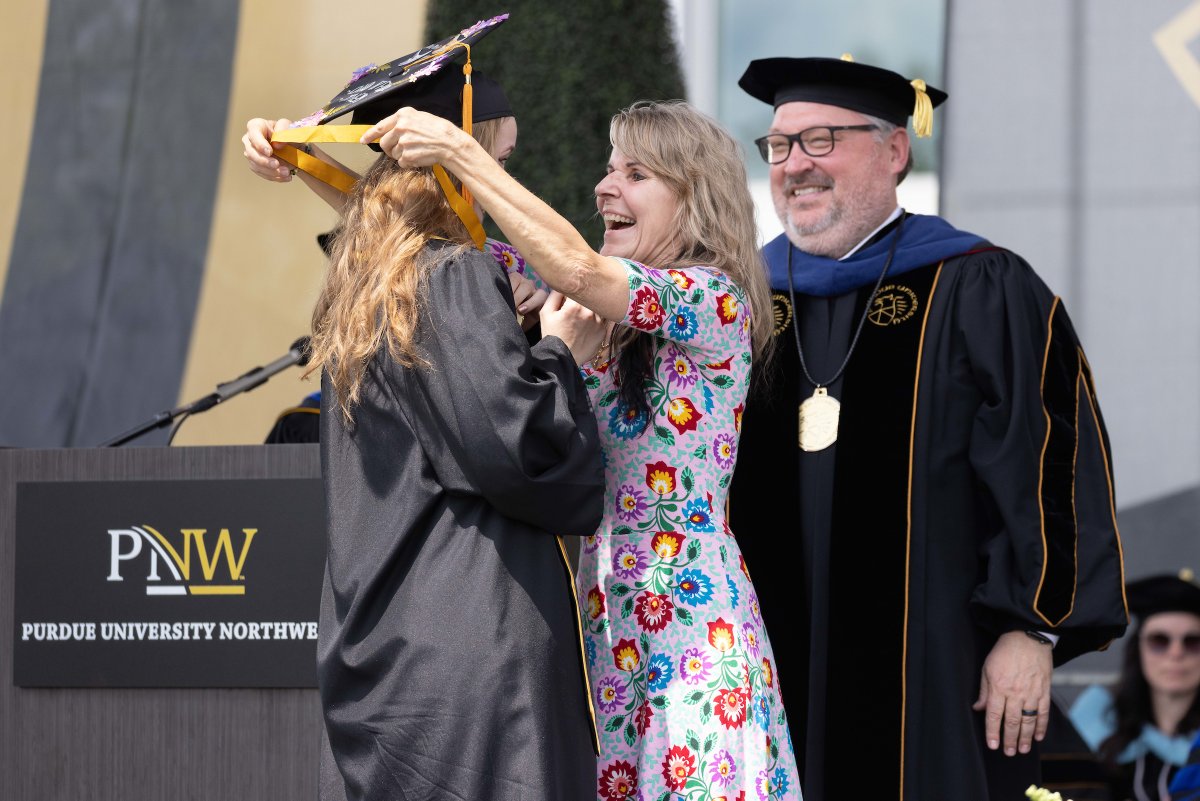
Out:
{"x": 1141, "y": 729}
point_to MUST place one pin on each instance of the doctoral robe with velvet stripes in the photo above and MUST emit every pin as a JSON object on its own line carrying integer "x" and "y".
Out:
{"x": 969, "y": 493}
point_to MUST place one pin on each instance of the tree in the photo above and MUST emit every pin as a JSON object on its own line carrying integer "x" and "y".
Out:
{"x": 567, "y": 68}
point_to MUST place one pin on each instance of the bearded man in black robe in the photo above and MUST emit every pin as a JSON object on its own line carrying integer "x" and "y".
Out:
{"x": 924, "y": 490}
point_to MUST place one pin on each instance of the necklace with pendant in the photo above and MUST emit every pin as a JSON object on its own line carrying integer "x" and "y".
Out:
{"x": 820, "y": 413}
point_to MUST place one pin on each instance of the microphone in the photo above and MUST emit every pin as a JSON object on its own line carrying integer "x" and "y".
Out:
{"x": 299, "y": 353}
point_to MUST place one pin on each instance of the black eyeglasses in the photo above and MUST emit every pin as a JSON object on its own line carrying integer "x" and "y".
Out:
{"x": 1158, "y": 642}
{"x": 819, "y": 141}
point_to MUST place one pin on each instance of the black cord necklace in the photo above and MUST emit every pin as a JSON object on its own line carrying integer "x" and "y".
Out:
{"x": 819, "y": 413}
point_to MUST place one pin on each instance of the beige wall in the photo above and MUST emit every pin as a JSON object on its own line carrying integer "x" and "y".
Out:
{"x": 264, "y": 267}
{"x": 22, "y": 33}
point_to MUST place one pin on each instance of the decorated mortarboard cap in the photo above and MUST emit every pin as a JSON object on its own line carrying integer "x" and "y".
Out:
{"x": 1164, "y": 593}
{"x": 429, "y": 80}
{"x": 439, "y": 94}
{"x": 846, "y": 84}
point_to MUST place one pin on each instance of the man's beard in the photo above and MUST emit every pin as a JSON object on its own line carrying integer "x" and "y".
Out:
{"x": 809, "y": 236}
{"x": 845, "y": 222}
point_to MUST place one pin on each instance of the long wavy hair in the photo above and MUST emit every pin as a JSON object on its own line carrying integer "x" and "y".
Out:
{"x": 1132, "y": 704}
{"x": 703, "y": 167}
{"x": 374, "y": 290}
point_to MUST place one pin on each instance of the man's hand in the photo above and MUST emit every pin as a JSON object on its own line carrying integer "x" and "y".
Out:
{"x": 1016, "y": 680}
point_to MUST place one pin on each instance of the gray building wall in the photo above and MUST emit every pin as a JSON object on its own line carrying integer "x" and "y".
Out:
{"x": 1072, "y": 136}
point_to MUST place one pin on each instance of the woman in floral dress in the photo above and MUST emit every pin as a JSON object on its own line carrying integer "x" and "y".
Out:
{"x": 681, "y": 668}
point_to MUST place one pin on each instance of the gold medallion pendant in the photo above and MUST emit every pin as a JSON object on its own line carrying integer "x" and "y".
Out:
{"x": 819, "y": 420}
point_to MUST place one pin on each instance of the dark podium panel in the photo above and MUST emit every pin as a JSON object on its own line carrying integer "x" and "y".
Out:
{"x": 124, "y": 743}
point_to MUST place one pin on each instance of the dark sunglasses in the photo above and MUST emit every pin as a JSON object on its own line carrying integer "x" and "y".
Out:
{"x": 1158, "y": 642}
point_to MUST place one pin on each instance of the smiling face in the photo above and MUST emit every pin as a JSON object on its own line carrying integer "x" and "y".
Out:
{"x": 639, "y": 213}
{"x": 828, "y": 204}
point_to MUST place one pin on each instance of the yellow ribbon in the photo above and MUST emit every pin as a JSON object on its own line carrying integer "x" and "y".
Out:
{"x": 922, "y": 111}
{"x": 321, "y": 170}
{"x": 344, "y": 182}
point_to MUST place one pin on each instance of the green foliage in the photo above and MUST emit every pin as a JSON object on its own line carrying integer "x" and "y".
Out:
{"x": 567, "y": 67}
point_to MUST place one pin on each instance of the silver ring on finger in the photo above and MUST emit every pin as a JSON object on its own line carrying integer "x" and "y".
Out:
{"x": 1029, "y": 713}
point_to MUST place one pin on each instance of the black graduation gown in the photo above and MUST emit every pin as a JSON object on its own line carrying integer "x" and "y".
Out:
{"x": 969, "y": 494}
{"x": 450, "y": 658}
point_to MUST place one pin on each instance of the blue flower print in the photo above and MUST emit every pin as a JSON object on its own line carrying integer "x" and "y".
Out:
{"x": 694, "y": 588}
{"x": 659, "y": 672}
{"x": 762, "y": 713}
{"x": 589, "y": 649}
{"x": 626, "y": 422}
{"x": 682, "y": 326}
{"x": 781, "y": 780}
{"x": 733, "y": 592}
{"x": 697, "y": 515}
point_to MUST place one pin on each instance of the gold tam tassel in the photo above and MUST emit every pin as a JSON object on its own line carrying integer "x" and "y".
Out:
{"x": 922, "y": 111}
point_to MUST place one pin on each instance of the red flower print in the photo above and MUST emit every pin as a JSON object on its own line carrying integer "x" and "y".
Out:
{"x": 727, "y": 308}
{"x": 730, "y": 706}
{"x": 646, "y": 311}
{"x": 745, "y": 570}
{"x": 619, "y": 782}
{"x": 595, "y": 602}
{"x": 667, "y": 544}
{"x": 679, "y": 764}
{"x": 720, "y": 365}
{"x": 768, "y": 673}
{"x": 653, "y": 611}
{"x": 660, "y": 477}
{"x": 737, "y": 416}
{"x": 626, "y": 656}
{"x": 641, "y": 719}
{"x": 720, "y": 635}
{"x": 681, "y": 279}
{"x": 683, "y": 415}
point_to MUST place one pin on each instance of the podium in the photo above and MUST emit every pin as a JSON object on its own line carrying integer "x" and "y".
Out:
{"x": 241, "y": 743}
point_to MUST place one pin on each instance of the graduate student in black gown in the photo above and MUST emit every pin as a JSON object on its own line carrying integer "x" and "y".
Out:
{"x": 450, "y": 662}
{"x": 934, "y": 527}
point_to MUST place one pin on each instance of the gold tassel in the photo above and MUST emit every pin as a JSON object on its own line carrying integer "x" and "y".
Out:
{"x": 922, "y": 111}
{"x": 467, "y": 113}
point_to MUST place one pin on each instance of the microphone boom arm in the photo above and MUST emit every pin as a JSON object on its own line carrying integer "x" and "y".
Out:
{"x": 298, "y": 353}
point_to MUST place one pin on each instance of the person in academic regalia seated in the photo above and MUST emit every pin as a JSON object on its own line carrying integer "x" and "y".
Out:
{"x": 1186, "y": 784}
{"x": 683, "y": 672}
{"x": 450, "y": 653}
{"x": 923, "y": 493}
{"x": 1143, "y": 728}
{"x": 298, "y": 424}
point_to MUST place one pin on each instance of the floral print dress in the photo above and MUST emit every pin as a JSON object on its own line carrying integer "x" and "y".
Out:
{"x": 681, "y": 669}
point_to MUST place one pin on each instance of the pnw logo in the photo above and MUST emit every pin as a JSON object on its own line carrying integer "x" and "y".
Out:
{"x": 170, "y": 569}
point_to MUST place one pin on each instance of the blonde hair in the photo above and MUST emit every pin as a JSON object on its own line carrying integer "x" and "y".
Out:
{"x": 703, "y": 166}
{"x": 374, "y": 293}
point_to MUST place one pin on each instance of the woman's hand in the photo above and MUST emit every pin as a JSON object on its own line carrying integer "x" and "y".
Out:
{"x": 582, "y": 330}
{"x": 260, "y": 152}
{"x": 415, "y": 138}
{"x": 528, "y": 297}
